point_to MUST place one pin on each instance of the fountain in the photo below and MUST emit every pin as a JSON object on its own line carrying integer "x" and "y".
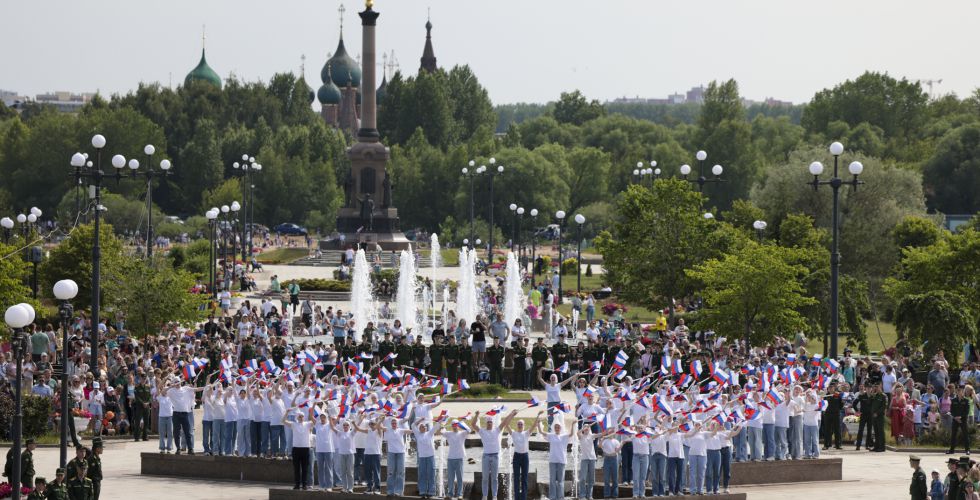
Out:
{"x": 466, "y": 304}
{"x": 507, "y": 466}
{"x": 445, "y": 308}
{"x": 513, "y": 293}
{"x": 435, "y": 253}
{"x": 575, "y": 464}
{"x": 406, "y": 302}
{"x": 361, "y": 296}
{"x": 442, "y": 442}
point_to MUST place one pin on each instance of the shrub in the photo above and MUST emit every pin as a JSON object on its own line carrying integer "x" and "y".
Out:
{"x": 569, "y": 266}
{"x": 940, "y": 438}
{"x": 37, "y": 414}
{"x": 609, "y": 308}
{"x": 319, "y": 285}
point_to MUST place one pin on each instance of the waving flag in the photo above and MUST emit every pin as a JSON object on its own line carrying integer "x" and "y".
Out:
{"x": 748, "y": 369}
{"x": 628, "y": 422}
{"x": 766, "y": 383}
{"x": 832, "y": 365}
{"x": 251, "y": 366}
{"x": 227, "y": 364}
{"x": 461, "y": 425}
{"x": 774, "y": 396}
{"x": 676, "y": 367}
{"x": 721, "y": 377}
{"x": 664, "y": 407}
{"x": 683, "y": 380}
{"x": 354, "y": 367}
{"x": 441, "y": 417}
{"x": 496, "y": 410}
{"x": 405, "y": 410}
{"x": 531, "y": 403}
{"x": 366, "y": 355}
{"x": 625, "y": 395}
{"x": 596, "y": 366}
{"x": 621, "y": 359}
{"x": 790, "y": 359}
{"x": 562, "y": 407}
{"x": 390, "y": 357}
{"x": 588, "y": 391}
{"x": 385, "y": 376}
{"x": 644, "y": 403}
{"x": 815, "y": 360}
{"x": 605, "y": 422}
{"x": 447, "y": 387}
{"x": 696, "y": 368}
{"x": 269, "y": 366}
{"x": 463, "y": 385}
{"x": 189, "y": 371}
{"x": 563, "y": 368}
{"x": 664, "y": 365}
{"x": 199, "y": 363}
{"x": 823, "y": 405}
{"x": 685, "y": 427}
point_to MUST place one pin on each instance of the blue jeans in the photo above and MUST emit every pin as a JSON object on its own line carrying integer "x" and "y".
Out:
{"x": 685, "y": 467}
{"x": 675, "y": 471}
{"x": 324, "y": 469}
{"x": 427, "y": 476}
{"x": 755, "y": 442}
{"x": 519, "y": 475}
{"x": 182, "y": 425}
{"x": 696, "y": 481}
{"x": 769, "y": 434}
{"x": 217, "y": 433}
{"x": 264, "y": 438}
{"x": 741, "y": 448}
{"x": 658, "y": 474}
{"x": 641, "y": 464}
{"x": 586, "y": 478}
{"x": 166, "y": 428}
{"x": 288, "y": 431}
{"x": 206, "y": 428}
{"x": 344, "y": 465}
{"x": 556, "y": 481}
{"x": 454, "y": 471}
{"x": 610, "y": 476}
{"x": 276, "y": 438}
{"x": 726, "y": 466}
{"x": 712, "y": 474}
{"x": 255, "y": 437}
{"x": 228, "y": 434}
{"x": 491, "y": 462}
{"x": 359, "y": 465}
{"x": 796, "y": 437}
{"x": 244, "y": 431}
{"x": 782, "y": 443}
{"x": 396, "y": 473}
{"x": 811, "y": 434}
{"x": 372, "y": 469}
{"x": 626, "y": 464}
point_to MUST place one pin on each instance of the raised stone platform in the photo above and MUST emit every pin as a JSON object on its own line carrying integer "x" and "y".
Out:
{"x": 289, "y": 494}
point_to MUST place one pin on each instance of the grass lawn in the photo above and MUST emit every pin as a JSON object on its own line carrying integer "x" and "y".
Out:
{"x": 569, "y": 282}
{"x": 282, "y": 255}
{"x": 450, "y": 256}
{"x": 876, "y": 343}
{"x": 635, "y": 314}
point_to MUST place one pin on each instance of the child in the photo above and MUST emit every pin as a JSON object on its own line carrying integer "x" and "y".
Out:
{"x": 933, "y": 418}
{"x": 919, "y": 409}
{"x": 936, "y": 490}
{"x": 908, "y": 428}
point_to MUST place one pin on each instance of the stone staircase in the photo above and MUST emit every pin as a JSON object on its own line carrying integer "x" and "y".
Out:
{"x": 332, "y": 258}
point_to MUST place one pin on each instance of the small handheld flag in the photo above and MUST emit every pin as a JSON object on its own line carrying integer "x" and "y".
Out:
{"x": 533, "y": 402}
{"x": 463, "y": 385}
{"x": 696, "y": 368}
{"x": 563, "y": 368}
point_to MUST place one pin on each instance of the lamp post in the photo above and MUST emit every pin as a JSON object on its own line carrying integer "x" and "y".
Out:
{"x": 835, "y": 183}
{"x": 246, "y": 169}
{"x": 513, "y": 238}
{"x": 149, "y": 173}
{"x": 78, "y": 161}
{"x": 8, "y": 224}
{"x": 760, "y": 228}
{"x": 638, "y": 172}
{"x": 212, "y": 216}
{"x": 701, "y": 180}
{"x": 560, "y": 215}
{"x": 520, "y": 237}
{"x": 224, "y": 246}
{"x": 470, "y": 173}
{"x": 492, "y": 172}
{"x": 65, "y": 290}
{"x": 580, "y": 219}
{"x": 17, "y": 317}
{"x": 534, "y": 243}
{"x": 235, "y": 208}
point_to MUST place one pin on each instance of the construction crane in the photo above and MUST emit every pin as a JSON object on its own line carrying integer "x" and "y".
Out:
{"x": 930, "y": 83}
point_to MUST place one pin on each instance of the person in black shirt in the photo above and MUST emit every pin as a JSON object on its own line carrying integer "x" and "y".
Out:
{"x": 479, "y": 333}
{"x": 862, "y": 405}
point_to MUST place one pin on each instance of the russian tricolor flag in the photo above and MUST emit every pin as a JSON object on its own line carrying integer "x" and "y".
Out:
{"x": 588, "y": 391}
{"x": 447, "y": 387}
{"x": 390, "y": 357}
{"x": 496, "y": 410}
{"x": 605, "y": 423}
{"x": 790, "y": 359}
{"x": 533, "y": 402}
{"x": 405, "y": 410}
{"x": 664, "y": 407}
{"x": 815, "y": 360}
{"x": 461, "y": 425}
{"x": 685, "y": 427}
{"x": 774, "y": 396}
{"x": 696, "y": 368}
{"x": 721, "y": 377}
{"x": 463, "y": 385}
{"x": 189, "y": 371}
{"x": 563, "y": 368}
{"x": 665, "y": 365}
{"x": 385, "y": 376}
{"x": 621, "y": 359}
{"x": 676, "y": 367}
{"x": 832, "y": 365}
{"x": 269, "y": 366}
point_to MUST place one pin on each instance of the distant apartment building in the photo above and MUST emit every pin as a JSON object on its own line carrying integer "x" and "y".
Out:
{"x": 63, "y": 101}
{"x": 694, "y": 95}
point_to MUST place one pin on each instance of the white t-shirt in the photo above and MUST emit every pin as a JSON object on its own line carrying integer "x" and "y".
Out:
{"x": 301, "y": 433}
{"x": 676, "y": 448}
{"x": 553, "y": 393}
{"x": 782, "y": 414}
{"x": 424, "y": 443}
{"x": 457, "y": 444}
{"x": 586, "y": 444}
{"x": 166, "y": 406}
{"x": 344, "y": 441}
{"x": 231, "y": 410}
{"x": 324, "y": 438}
{"x": 658, "y": 444}
{"x": 557, "y": 447}
{"x": 641, "y": 445}
{"x": 610, "y": 446}
{"x": 395, "y": 440}
{"x": 258, "y": 410}
{"x": 372, "y": 443}
{"x": 244, "y": 409}
{"x": 697, "y": 446}
{"x": 491, "y": 440}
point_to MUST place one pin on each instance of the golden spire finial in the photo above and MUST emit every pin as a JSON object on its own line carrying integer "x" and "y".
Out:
{"x": 369, "y": 4}
{"x": 341, "y": 11}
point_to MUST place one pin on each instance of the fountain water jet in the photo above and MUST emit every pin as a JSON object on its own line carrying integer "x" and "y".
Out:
{"x": 406, "y": 301}
{"x": 435, "y": 252}
{"x": 513, "y": 293}
{"x": 466, "y": 302}
{"x": 361, "y": 296}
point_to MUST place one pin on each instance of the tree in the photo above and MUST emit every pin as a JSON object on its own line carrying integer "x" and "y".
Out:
{"x": 952, "y": 174}
{"x": 14, "y": 275}
{"x": 469, "y": 103}
{"x": 755, "y": 291}
{"x": 202, "y": 168}
{"x": 658, "y": 233}
{"x": 72, "y": 259}
{"x": 151, "y": 293}
{"x": 943, "y": 320}
{"x": 868, "y": 214}
{"x": 721, "y": 103}
{"x": 574, "y": 108}
{"x": 726, "y": 136}
{"x": 915, "y": 231}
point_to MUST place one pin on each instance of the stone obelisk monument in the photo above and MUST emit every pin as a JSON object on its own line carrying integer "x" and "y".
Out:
{"x": 369, "y": 217}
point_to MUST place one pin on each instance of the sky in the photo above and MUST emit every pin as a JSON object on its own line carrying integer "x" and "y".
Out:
{"x": 521, "y": 50}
